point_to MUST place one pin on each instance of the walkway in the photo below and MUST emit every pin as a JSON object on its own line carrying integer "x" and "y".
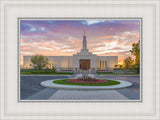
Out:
{"x": 56, "y": 94}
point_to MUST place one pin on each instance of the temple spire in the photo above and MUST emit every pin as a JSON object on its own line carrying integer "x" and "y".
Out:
{"x": 84, "y": 41}
{"x": 84, "y": 32}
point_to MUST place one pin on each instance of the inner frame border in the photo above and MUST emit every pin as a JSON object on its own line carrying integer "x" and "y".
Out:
{"x": 81, "y": 18}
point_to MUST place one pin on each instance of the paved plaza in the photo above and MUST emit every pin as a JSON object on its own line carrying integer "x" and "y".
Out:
{"x": 30, "y": 89}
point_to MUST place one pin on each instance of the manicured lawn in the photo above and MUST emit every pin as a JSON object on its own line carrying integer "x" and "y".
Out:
{"x": 111, "y": 82}
{"x": 44, "y": 73}
{"x": 110, "y": 73}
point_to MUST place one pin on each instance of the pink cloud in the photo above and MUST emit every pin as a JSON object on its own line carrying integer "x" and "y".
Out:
{"x": 66, "y": 38}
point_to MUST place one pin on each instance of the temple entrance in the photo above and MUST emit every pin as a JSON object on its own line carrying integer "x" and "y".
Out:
{"x": 84, "y": 64}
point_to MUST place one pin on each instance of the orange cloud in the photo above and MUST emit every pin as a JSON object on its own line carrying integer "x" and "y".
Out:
{"x": 65, "y": 37}
{"x": 105, "y": 37}
{"x": 137, "y": 35}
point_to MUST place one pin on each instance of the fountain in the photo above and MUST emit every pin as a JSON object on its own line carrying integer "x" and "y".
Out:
{"x": 86, "y": 79}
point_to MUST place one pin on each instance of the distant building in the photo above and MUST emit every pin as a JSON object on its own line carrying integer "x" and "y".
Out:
{"x": 83, "y": 60}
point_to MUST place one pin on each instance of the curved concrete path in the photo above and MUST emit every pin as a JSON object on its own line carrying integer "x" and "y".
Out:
{"x": 50, "y": 84}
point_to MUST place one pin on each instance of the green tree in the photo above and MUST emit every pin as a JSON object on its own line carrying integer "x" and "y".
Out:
{"x": 39, "y": 61}
{"x": 128, "y": 62}
{"x": 120, "y": 66}
{"x": 115, "y": 66}
{"x": 136, "y": 51}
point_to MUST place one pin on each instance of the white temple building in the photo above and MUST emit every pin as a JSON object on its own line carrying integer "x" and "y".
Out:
{"x": 83, "y": 60}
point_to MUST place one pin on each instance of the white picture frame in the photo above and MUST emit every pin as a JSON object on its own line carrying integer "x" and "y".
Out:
{"x": 12, "y": 109}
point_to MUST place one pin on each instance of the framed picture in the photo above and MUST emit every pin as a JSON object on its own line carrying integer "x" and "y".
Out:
{"x": 80, "y": 60}
{"x": 84, "y": 75}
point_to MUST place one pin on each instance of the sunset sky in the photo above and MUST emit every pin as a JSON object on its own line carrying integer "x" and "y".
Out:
{"x": 64, "y": 37}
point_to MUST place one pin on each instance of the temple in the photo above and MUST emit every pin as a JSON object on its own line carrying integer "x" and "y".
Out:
{"x": 83, "y": 60}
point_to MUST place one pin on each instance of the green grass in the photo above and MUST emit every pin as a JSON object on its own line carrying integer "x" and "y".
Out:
{"x": 44, "y": 73}
{"x": 110, "y": 73}
{"x": 111, "y": 82}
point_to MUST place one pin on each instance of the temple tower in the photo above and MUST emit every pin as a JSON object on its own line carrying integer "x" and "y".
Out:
{"x": 84, "y": 41}
{"x": 84, "y": 60}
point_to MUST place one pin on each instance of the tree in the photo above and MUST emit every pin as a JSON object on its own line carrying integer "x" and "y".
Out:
{"x": 128, "y": 62}
{"x": 137, "y": 67}
{"x": 39, "y": 61}
{"x": 136, "y": 51}
{"x": 120, "y": 66}
{"x": 52, "y": 65}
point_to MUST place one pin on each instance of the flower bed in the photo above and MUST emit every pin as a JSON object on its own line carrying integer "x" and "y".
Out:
{"x": 107, "y": 83}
